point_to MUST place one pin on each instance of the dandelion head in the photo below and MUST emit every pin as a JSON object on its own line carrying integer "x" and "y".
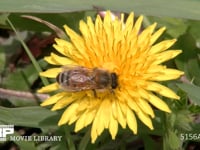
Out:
{"x": 124, "y": 49}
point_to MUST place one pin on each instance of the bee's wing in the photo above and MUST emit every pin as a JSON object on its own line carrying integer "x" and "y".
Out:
{"x": 80, "y": 78}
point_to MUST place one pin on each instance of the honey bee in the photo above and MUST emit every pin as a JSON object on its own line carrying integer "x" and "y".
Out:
{"x": 78, "y": 78}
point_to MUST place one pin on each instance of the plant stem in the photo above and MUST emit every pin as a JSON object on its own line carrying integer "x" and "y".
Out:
{"x": 5, "y": 93}
{"x": 36, "y": 65}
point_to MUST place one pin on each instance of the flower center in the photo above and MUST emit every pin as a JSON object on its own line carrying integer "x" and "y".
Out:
{"x": 110, "y": 66}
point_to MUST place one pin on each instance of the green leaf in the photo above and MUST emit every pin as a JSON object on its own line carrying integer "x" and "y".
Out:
{"x": 175, "y": 27}
{"x": 85, "y": 140}
{"x": 196, "y": 128}
{"x": 21, "y": 79}
{"x": 50, "y": 121}
{"x": 68, "y": 136}
{"x": 24, "y": 145}
{"x": 44, "y": 145}
{"x": 173, "y": 141}
{"x": 173, "y": 8}
{"x": 188, "y": 61}
{"x": 71, "y": 19}
{"x": 59, "y": 146}
{"x": 193, "y": 67}
{"x": 194, "y": 29}
{"x": 28, "y": 52}
{"x": 3, "y": 18}
{"x": 25, "y": 116}
{"x": 2, "y": 60}
{"x": 183, "y": 120}
{"x": 150, "y": 143}
{"x": 193, "y": 91}
{"x": 187, "y": 43}
{"x": 194, "y": 109}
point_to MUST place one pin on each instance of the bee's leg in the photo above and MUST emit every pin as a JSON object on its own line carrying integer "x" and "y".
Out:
{"x": 112, "y": 91}
{"x": 95, "y": 93}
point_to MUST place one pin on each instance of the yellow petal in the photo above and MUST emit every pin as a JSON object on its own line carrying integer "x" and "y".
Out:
{"x": 90, "y": 117}
{"x": 164, "y": 45}
{"x": 106, "y": 112}
{"x": 97, "y": 127}
{"x": 62, "y": 60}
{"x": 131, "y": 92}
{"x": 120, "y": 117}
{"x": 123, "y": 107}
{"x": 145, "y": 119}
{"x": 49, "y": 88}
{"x": 68, "y": 49}
{"x": 162, "y": 90}
{"x": 158, "y": 103}
{"x": 145, "y": 107}
{"x": 98, "y": 25}
{"x": 99, "y": 122}
{"x": 114, "y": 109}
{"x": 62, "y": 43}
{"x": 144, "y": 94}
{"x": 157, "y": 34}
{"x": 131, "y": 121}
{"x": 107, "y": 20}
{"x": 91, "y": 26}
{"x": 84, "y": 30}
{"x": 165, "y": 56}
{"x": 130, "y": 21}
{"x": 74, "y": 117}
{"x": 78, "y": 42}
{"x": 155, "y": 69}
{"x": 168, "y": 74}
{"x": 68, "y": 113}
{"x": 51, "y": 73}
{"x": 94, "y": 134}
{"x": 80, "y": 121}
{"x": 51, "y": 60}
{"x": 132, "y": 104}
{"x": 63, "y": 102}
{"x": 145, "y": 34}
{"x": 138, "y": 24}
{"x": 131, "y": 101}
{"x": 113, "y": 127}
{"x": 53, "y": 99}
{"x": 85, "y": 119}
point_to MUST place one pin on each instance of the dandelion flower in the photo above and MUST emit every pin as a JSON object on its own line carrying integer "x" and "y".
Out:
{"x": 117, "y": 47}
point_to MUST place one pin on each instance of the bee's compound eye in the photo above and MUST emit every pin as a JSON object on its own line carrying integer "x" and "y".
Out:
{"x": 114, "y": 83}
